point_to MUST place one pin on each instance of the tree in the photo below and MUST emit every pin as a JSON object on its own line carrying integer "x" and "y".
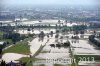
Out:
{"x": 66, "y": 44}
{"x": 1, "y": 24}
{"x": 48, "y": 35}
{"x": 82, "y": 32}
{"x": 56, "y": 26}
{"x": 59, "y": 22}
{"x": 57, "y": 35}
{"x": 57, "y": 31}
{"x": 41, "y": 35}
{"x": 76, "y": 32}
{"x": 13, "y": 36}
{"x": 61, "y": 39}
{"x": 28, "y": 29}
{"x": 51, "y": 33}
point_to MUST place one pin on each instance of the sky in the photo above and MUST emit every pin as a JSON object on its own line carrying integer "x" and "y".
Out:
{"x": 48, "y": 2}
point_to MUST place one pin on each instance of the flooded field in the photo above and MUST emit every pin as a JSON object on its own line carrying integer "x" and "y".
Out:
{"x": 84, "y": 47}
{"x": 8, "y": 57}
{"x": 51, "y": 54}
{"x": 52, "y": 51}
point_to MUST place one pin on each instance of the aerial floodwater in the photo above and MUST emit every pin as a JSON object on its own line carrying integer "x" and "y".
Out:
{"x": 49, "y": 33}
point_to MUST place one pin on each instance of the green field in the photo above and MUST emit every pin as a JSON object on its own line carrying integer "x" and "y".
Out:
{"x": 9, "y": 41}
{"x": 29, "y": 61}
{"x": 21, "y": 47}
{"x": 26, "y": 59}
{"x": 87, "y": 58}
{"x": 59, "y": 65}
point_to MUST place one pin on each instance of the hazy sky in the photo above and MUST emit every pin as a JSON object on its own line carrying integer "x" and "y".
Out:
{"x": 49, "y": 2}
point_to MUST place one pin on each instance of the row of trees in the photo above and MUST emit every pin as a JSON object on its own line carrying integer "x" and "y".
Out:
{"x": 94, "y": 41}
{"x": 7, "y": 28}
{"x": 94, "y": 25}
{"x": 79, "y": 27}
{"x": 15, "y": 37}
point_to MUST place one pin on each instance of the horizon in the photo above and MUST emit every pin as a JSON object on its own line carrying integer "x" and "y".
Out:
{"x": 46, "y": 2}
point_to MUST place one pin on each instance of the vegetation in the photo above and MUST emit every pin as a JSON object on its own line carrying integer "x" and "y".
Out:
{"x": 29, "y": 60}
{"x": 1, "y": 33}
{"x": 73, "y": 64}
{"x": 26, "y": 59}
{"x": 51, "y": 33}
{"x": 58, "y": 65}
{"x": 87, "y": 58}
{"x": 21, "y": 47}
{"x": 79, "y": 27}
{"x": 95, "y": 25}
{"x": 15, "y": 37}
{"x": 58, "y": 45}
{"x": 41, "y": 36}
{"x": 94, "y": 41}
{"x": 30, "y": 64}
{"x": 42, "y": 65}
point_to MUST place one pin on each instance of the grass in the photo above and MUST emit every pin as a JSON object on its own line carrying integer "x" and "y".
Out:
{"x": 27, "y": 59}
{"x": 58, "y": 65}
{"x": 21, "y": 47}
{"x": 5, "y": 40}
{"x": 73, "y": 64}
{"x": 42, "y": 65}
{"x": 87, "y": 57}
{"x": 30, "y": 64}
{"x": 1, "y": 33}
